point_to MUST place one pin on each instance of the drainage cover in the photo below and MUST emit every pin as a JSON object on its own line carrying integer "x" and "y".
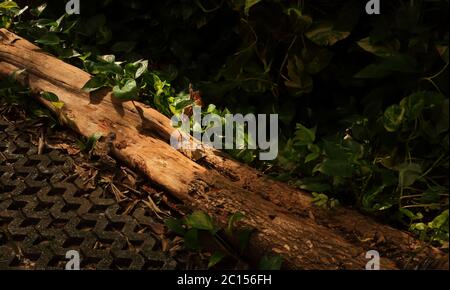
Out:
{"x": 46, "y": 210}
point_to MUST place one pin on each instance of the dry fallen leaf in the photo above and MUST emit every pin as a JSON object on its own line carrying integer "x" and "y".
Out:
{"x": 63, "y": 141}
{"x": 41, "y": 143}
{"x": 157, "y": 228}
{"x": 88, "y": 175}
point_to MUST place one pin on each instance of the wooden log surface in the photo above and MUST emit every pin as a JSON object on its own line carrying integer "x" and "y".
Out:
{"x": 285, "y": 220}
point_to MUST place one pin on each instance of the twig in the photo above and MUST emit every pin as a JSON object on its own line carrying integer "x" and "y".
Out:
{"x": 41, "y": 144}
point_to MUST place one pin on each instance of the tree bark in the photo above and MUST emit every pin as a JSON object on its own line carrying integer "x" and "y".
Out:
{"x": 285, "y": 220}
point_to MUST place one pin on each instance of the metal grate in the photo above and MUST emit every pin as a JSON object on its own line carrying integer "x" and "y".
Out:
{"x": 44, "y": 212}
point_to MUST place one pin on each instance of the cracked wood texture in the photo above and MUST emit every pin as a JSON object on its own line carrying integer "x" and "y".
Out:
{"x": 285, "y": 220}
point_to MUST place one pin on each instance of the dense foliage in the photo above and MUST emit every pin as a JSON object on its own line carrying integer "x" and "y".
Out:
{"x": 363, "y": 100}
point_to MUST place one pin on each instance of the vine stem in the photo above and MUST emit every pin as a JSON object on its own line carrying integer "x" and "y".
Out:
{"x": 287, "y": 56}
{"x": 432, "y": 166}
{"x": 430, "y": 79}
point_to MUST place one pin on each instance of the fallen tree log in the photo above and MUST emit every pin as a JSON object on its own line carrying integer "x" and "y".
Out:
{"x": 284, "y": 219}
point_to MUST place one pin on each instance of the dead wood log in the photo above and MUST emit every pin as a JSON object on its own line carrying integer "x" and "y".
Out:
{"x": 285, "y": 220}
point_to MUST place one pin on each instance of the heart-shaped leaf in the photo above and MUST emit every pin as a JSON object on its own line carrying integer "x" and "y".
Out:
{"x": 126, "y": 92}
{"x": 95, "y": 83}
{"x": 51, "y": 97}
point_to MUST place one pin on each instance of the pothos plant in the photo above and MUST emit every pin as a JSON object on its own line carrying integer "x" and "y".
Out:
{"x": 195, "y": 226}
{"x": 129, "y": 81}
{"x": 134, "y": 81}
{"x": 403, "y": 180}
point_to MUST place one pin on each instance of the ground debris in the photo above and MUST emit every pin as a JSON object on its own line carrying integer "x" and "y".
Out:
{"x": 86, "y": 198}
